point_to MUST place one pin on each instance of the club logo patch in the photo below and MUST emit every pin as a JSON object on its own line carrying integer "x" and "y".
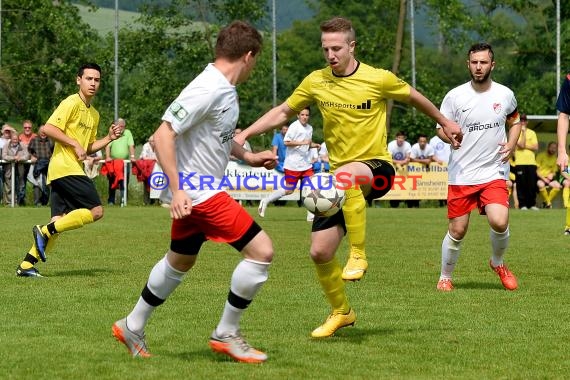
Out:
{"x": 497, "y": 107}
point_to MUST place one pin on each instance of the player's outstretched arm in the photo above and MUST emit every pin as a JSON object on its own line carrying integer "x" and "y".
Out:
{"x": 561, "y": 133}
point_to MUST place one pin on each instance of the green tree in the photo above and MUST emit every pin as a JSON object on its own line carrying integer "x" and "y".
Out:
{"x": 43, "y": 43}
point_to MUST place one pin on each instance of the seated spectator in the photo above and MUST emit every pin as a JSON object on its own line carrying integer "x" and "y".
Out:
{"x": 424, "y": 154}
{"x": 546, "y": 171}
{"x": 40, "y": 149}
{"x": 400, "y": 150}
{"x": 15, "y": 153}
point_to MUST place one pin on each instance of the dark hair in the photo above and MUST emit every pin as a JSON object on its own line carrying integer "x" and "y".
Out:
{"x": 422, "y": 135}
{"x": 523, "y": 117}
{"x": 89, "y": 65}
{"x": 401, "y": 133}
{"x": 237, "y": 39}
{"x": 339, "y": 24}
{"x": 481, "y": 46}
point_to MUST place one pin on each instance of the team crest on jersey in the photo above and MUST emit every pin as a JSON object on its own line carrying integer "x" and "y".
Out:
{"x": 178, "y": 111}
{"x": 497, "y": 107}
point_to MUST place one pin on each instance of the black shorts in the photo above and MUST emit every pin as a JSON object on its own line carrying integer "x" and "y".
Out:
{"x": 383, "y": 177}
{"x": 71, "y": 193}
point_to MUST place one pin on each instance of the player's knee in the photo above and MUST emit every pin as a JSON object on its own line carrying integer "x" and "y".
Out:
{"x": 97, "y": 212}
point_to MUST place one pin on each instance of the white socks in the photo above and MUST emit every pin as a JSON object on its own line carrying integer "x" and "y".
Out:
{"x": 499, "y": 244}
{"x": 247, "y": 279}
{"x": 162, "y": 281}
{"x": 450, "y": 249}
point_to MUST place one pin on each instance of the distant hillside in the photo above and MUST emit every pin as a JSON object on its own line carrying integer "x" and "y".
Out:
{"x": 103, "y": 20}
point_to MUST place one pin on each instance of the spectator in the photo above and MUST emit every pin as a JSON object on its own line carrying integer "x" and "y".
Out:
{"x": 40, "y": 149}
{"x": 279, "y": 148}
{"x": 400, "y": 151}
{"x": 442, "y": 151}
{"x": 14, "y": 152}
{"x": 7, "y": 131}
{"x": 525, "y": 162}
{"x": 546, "y": 170}
{"x": 422, "y": 153}
{"x": 25, "y": 137}
{"x": 116, "y": 152}
{"x": 144, "y": 167}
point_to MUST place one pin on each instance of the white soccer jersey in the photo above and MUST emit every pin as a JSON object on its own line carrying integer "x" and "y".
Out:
{"x": 204, "y": 117}
{"x": 482, "y": 117}
{"x": 418, "y": 152}
{"x": 399, "y": 152}
{"x": 298, "y": 157}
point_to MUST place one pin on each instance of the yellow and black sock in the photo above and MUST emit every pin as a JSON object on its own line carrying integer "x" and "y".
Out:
{"x": 75, "y": 219}
{"x": 354, "y": 211}
{"x": 552, "y": 195}
{"x": 330, "y": 277}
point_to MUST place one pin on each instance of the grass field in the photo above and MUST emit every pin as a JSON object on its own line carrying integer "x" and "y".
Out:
{"x": 59, "y": 327}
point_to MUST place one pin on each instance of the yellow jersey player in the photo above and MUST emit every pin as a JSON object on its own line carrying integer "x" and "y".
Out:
{"x": 74, "y": 199}
{"x": 351, "y": 97}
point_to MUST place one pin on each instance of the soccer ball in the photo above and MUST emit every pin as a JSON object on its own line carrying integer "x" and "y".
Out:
{"x": 321, "y": 196}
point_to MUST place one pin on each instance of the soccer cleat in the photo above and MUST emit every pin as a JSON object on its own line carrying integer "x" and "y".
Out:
{"x": 135, "y": 343}
{"x": 507, "y": 277}
{"x": 355, "y": 268}
{"x": 567, "y": 231}
{"x": 41, "y": 241}
{"x": 445, "y": 285}
{"x": 333, "y": 323}
{"x": 32, "y": 272}
{"x": 262, "y": 207}
{"x": 234, "y": 346}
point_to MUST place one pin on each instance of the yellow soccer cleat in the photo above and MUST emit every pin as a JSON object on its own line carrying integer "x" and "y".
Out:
{"x": 333, "y": 323}
{"x": 355, "y": 268}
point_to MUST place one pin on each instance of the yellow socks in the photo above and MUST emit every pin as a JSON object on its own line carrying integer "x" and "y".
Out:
{"x": 565, "y": 194}
{"x": 329, "y": 275}
{"x": 75, "y": 219}
{"x": 354, "y": 211}
{"x": 544, "y": 194}
{"x": 552, "y": 195}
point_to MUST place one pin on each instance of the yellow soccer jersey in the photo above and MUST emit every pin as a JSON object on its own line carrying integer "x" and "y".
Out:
{"x": 353, "y": 109}
{"x": 546, "y": 164}
{"x": 79, "y": 122}
{"x": 526, "y": 156}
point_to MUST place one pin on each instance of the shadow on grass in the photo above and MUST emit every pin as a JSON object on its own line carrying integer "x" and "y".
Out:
{"x": 92, "y": 272}
{"x": 473, "y": 285}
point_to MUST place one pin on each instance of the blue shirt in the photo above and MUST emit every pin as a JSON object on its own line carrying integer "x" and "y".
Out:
{"x": 563, "y": 102}
{"x": 281, "y": 150}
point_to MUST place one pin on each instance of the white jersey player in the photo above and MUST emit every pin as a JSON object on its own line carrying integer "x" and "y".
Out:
{"x": 476, "y": 169}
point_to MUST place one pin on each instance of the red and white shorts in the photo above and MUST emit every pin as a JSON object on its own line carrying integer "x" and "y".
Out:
{"x": 219, "y": 219}
{"x": 294, "y": 176}
{"x": 461, "y": 199}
